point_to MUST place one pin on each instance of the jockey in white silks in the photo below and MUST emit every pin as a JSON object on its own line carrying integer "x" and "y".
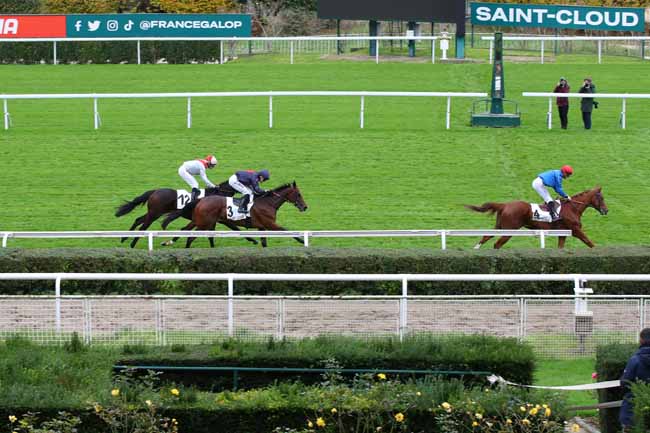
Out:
{"x": 197, "y": 167}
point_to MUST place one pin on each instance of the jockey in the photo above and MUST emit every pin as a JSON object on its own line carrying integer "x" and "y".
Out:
{"x": 189, "y": 169}
{"x": 248, "y": 183}
{"x": 553, "y": 179}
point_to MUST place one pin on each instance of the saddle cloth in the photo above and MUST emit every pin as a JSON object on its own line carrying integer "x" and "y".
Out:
{"x": 541, "y": 213}
{"x": 184, "y": 197}
{"x": 232, "y": 209}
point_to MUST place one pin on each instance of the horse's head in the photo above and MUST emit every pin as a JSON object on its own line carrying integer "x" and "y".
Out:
{"x": 295, "y": 196}
{"x": 598, "y": 201}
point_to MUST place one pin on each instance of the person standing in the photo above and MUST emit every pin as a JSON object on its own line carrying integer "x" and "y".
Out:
{"x": 637, "y": 368}
{"x": 587, "y": 105}
{"x": 197, "y": 167}
{"x": 563, "y": 102}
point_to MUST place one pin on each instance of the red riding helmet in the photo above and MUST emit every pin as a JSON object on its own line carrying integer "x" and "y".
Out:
{"x": 567, "y": 169}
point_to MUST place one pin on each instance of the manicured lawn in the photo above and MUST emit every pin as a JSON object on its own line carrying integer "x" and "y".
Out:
{"x": 403, "y": 171}
{"x": 569, "y": 372}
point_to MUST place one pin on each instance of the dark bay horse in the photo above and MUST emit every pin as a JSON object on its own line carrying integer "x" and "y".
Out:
{"x": 516, "y": 214}
{"x": 212, "y": 210}
{"x": 160, "y": 202}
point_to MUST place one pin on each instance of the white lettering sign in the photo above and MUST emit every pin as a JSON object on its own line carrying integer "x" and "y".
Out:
{"x": 9, "y": 26}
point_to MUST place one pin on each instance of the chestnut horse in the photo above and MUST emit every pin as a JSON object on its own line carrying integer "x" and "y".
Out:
{"x": 517, "y": 214}
{"x": 160, "y": 202}
{"x": 212, "y": 210}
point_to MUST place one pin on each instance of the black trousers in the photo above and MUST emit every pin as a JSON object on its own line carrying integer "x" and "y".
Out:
{"x": 586, "y": 119}
{"x": 563, "y": 110}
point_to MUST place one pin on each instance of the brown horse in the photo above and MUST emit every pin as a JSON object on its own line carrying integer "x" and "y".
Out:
{"x": 212, "y": 210}
{"x": 516, "y": 214}
{"x": 162, "y": 201}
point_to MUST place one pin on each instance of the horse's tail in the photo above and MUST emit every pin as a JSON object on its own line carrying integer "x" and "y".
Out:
{"x": 486, "y": 207}
{"x": 130, "y": 205}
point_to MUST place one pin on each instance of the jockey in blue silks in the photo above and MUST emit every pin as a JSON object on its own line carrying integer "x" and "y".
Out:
{"x": 552, "y": 179}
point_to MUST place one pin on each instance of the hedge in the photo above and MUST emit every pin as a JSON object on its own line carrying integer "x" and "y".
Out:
{"x": 504, "y": 356}
{"x": 610, "y": 363}
{"x": 324, "y": 260}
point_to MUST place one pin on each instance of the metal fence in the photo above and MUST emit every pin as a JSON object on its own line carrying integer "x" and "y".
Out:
{"x": 556, "y": 326}
{"x": 306, "y": 235}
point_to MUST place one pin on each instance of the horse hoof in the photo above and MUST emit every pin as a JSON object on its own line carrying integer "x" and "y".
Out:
{"x": 167, "y": 243}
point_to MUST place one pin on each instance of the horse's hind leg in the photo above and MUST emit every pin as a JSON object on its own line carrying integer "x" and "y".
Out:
{"x": 145, "y": 225}
{"x": 170, "y": 242}
{"x": 502, "y": 240}
{"x": 136, "y": 223}
{"x": 483, "y": 240}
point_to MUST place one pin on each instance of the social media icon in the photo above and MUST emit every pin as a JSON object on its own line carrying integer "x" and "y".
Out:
{"x": 112, "y": 25}
{"x": 77, "y": 25}
{"x": 128, "y": 26}
{"x": 93, "y": 26}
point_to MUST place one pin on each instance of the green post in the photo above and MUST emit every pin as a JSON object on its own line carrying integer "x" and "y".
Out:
{"x": 498, "y": 83}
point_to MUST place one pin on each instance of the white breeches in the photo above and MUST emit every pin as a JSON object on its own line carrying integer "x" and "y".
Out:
{"x": 238, "y": 186}
{"x": 538, "y": 185}
{"x": 188, "y": 177}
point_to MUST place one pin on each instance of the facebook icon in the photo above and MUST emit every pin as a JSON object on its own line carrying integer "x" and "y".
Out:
{"x": 77, "y": 25}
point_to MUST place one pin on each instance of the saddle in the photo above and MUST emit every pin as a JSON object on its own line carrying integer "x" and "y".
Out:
{"x": 541, "y": 213}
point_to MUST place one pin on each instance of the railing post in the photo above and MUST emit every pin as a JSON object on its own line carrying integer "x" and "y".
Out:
{"x": 231, "y": 291}
{"x": 189, "y": 112}
{"x": 448, "y": 112}
{"x": 443, "y": 240}
{"x": 600, "y": 51}
{"x": 291, "y": 50}
{"x": 549, "y": 114}
{"x": 433, "y": 51}
{"x": 361, "y": 115}
{"x": 377, "y": 51}
{"x": 138, "y": 45}
{"x": 542, "y": 239}
{"x": 623, "y": 115}
{"x": 150, "y": 239}
{"x": 270, "y": 111}
{"x": 57, "y": 295}
{"x": 220, "y": 52}
{"x": 542, "y": 58}
{"x": 5, "y": 236}
{"x": 305, "y": 238}
{"x": 55, "y": 60}
{"x": 491, "y": 50}
{"x": 5, "y": 107}
{"x": 96, "y": 114}
{"x": 403, "y": 310}
{"x": 280, "y": 322}
{"x": 522, "y": 319}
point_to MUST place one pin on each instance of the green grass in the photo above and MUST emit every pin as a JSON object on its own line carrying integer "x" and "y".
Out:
{"x": 403, "y": 171}
{"x": 568, "y": 372}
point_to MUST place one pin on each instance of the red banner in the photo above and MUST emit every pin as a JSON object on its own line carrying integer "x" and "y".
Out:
{"x": 32, "y": 26}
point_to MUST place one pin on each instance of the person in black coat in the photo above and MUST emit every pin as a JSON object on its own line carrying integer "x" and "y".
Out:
{"x": 587, "y": 105}
{"x": 637, "y": 369}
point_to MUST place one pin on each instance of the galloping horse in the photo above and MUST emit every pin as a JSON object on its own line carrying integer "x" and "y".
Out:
{"x": 212, "y": 210}
{"x": 517, "y": 214}
{"x": 160, "y": 202}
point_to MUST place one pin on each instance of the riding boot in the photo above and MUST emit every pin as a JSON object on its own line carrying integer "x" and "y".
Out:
{"x": 243, "y": 205}
{"x": 551, "y": 209}
{"x": 195, "y": 194}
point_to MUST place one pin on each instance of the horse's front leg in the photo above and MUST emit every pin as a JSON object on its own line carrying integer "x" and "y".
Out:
{"x": 282, "y": 229}
{"x": 578, "y": 233}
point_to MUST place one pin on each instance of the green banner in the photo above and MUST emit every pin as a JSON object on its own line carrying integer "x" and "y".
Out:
{"x": 158, "y": 25}
{"x": 558, "y": 16}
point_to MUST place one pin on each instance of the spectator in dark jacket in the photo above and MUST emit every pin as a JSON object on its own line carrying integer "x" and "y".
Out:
{"x": 637, "y": 368}
{"x": 563, "y": 103}
{"x": 587, "y": 105}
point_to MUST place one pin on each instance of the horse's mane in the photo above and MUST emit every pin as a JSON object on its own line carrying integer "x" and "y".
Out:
{"x": 580, "y": 194}
{"x": 277, "y": 189}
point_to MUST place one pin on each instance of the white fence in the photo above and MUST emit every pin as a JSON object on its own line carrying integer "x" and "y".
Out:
{"x": 189, "y": 95}
{"x": 623, "y": 96}
{"x": 292, "y": 40}
{"x": 558, "y": 326}
{"x": 305, "y": 234}
{"x": 542, "y": 39}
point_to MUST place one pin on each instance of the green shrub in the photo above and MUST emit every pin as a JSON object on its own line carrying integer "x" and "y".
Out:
{"x": 610, "y": 363}
{"x": 323, "y": 260}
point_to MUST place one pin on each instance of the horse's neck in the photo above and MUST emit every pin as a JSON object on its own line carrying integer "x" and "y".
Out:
{"x": 584, "y": 200}
{"x": 277, "y": 199}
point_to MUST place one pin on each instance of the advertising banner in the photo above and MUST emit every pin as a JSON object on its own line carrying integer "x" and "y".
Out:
{"x": 558, "y": 16}
{"x": 125, "y": 26}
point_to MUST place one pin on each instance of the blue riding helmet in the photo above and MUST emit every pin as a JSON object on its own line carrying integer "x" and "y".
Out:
{"x": 264, "y": 174}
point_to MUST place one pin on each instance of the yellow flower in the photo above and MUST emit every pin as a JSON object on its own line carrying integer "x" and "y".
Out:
{"x": 418, "y": 393}
{"x": 115, "y": 392}
{"x": 575, "y": 428}
{"x": 334, "y": 410}
{"x": 12, "y": 419}
{"x": 474, "y": 424}
{"x": 525, "y": 422}
{"x": 478, "y": 416}
{"x": 148, "y": 403}
{"x": 320, "y": 422}
{"x": 98, "y": 408}
{"x": 544, "y": 406}
{"x": 381, "y": 376}
{"x": 533, "y": 411}
{"x": 175, "y": 392}
{"x": 446, "y": 406}
{"x": 521, "y": 408}
{"x": 399, "y": 417}
{"x": 310, "y": 424}
{"x": 174, "y": 421}
{"x": 547, "y": 412}
{"x": 508, "y": 421}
